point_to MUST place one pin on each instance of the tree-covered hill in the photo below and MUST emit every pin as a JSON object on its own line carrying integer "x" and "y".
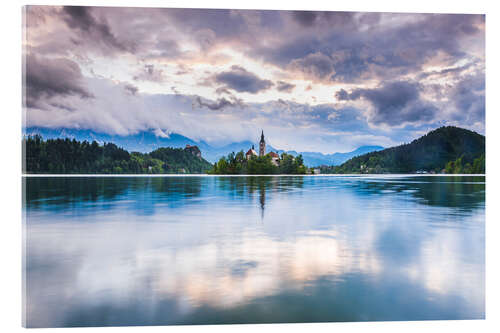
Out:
{"x": 446, "y": 149}
{"x": 65, "y": 156}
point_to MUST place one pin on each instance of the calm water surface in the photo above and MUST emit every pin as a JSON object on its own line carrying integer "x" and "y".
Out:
{"x": 203, "y": 250}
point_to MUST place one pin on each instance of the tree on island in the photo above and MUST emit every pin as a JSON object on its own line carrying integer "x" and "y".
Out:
{"x": 238, "y": 164}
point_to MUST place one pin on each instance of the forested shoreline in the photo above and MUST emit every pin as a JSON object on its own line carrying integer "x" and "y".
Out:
{"x": 449, "y": 150}
{"x": 65, "y": 156}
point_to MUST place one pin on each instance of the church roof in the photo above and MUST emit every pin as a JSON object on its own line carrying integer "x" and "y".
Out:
{"x": 251, "y": 152}
{"x": 273, "y": 154}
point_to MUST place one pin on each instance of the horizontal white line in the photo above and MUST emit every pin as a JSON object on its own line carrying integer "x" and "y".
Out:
{"x": 286, "y": 175}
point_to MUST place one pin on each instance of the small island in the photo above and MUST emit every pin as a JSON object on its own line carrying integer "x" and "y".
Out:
{"x": 252, "y": 163}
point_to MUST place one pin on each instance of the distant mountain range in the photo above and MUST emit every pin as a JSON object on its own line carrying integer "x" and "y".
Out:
{"x": 147, "y": 141}
{"x": 312, "y": 159}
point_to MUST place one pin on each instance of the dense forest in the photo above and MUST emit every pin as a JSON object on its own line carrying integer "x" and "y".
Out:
{"x": 235, "y": 164}
{"x": 65, "y": 156}
{"x": 444, "y": 150}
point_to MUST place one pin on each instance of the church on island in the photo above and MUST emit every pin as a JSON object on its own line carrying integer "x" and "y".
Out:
{"x": 262, "y": 151}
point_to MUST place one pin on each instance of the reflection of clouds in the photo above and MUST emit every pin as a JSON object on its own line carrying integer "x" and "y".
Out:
{"x": 202, "y": 274}
{"x": 207, "y": 275}
{"x": 445, "y": 270}
{"x": 217, "y": 253}
{"x": 137, "y": 264}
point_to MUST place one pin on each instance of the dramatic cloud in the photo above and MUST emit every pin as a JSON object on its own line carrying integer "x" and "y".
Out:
{"x": 46, "y": 78}
{"x": 221, "y": 75}
{"x": 241, "y": 80}
{"x": 81, "y": 19}
{"x": 219, "y": 104}
{"x": 382, "y": 50}
{"x": 305, "y": 18}
{"x": 394, "y": 103}
{"x": 166, "y": 49}
{"x": 343, "y": 20}
{"x": 284, "y": 86}
{"x": 469, "y": 98}
{"x": 314, "y": 66}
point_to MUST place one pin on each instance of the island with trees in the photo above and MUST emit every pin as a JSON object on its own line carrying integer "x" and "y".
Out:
{"x": 238, "y": 164}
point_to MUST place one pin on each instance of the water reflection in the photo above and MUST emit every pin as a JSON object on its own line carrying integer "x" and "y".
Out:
{"x": 329, "y": 249}
{"x": 464, "y": 192}
{"x": 105, "y": 193}
{"x": 262, "y": 200}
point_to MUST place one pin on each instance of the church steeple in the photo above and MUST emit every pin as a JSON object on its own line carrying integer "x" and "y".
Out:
{"x": 262, "y": 145}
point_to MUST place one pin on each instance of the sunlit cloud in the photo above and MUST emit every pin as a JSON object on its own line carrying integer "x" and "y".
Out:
{"x": 244, "y": 62}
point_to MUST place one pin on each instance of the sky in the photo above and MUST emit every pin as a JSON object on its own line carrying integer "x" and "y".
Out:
{"x": 313, "y": 81}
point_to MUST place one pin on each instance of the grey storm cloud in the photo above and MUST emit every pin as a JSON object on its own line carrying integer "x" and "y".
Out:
{"x": 356, "y": 45}
{"x": 305, "y": 18}
{"x": 226, "y": 24}
{"x": 452, "y": 71}
{"x": 468, "y": 96}
{"x": 284, "y": 86}
{"x": 379, "y": 52}
{"x": 332, "y": 19}
{"x": 241, "y": 80}
{"x": 81, "y": 19}
{"x": 337, "y": 58}
{"x": 47, "y": 78}
{"x": 63, "y": 107}
{"x": 167, "y": 48}
{"x": 220, "y": 103}
{"x": 389, "y": 96}
{"x": 315, "y": 66}
{"x": 394, "y": 103}
{"x": 220, "y": 21}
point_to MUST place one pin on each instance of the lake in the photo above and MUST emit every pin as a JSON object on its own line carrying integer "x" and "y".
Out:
{"x": 102, "y": 251}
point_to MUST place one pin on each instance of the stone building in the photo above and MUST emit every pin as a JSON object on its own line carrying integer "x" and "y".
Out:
{"x": 251, "y": 152}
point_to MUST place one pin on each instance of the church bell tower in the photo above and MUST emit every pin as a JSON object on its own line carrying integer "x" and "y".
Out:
{"x": 262, "y": 145}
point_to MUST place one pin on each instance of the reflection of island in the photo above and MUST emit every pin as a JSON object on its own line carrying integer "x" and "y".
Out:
{"x": 264, "y": 186}
{"x": 262, "y": 199}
